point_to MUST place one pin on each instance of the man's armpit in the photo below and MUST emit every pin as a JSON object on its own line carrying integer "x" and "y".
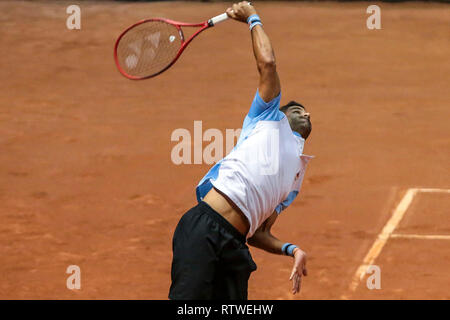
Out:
{"x": 269, "y": 222}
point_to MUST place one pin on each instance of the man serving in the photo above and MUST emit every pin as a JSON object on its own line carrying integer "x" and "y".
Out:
{"x": 242, "y": 195}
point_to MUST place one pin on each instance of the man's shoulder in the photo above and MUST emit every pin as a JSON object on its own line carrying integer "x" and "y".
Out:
{"x": 260, "y": 107}
{"x": 268, "y": 115}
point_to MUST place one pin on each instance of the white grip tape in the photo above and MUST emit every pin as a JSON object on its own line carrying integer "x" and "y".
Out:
{"x": 219, "y": 18}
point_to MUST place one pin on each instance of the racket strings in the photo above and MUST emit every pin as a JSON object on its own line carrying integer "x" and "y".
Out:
{"x": 148, "y": 48}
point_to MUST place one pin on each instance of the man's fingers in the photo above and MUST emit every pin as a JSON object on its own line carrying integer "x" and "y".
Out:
{"x": 299, "y": 283}
{"x": 230, "y": 13}
{"x": 298, "y": 271}
{"x": 296, "y": 284}
{"x": 293, "y": 285}
{"x": 294, "y": 271}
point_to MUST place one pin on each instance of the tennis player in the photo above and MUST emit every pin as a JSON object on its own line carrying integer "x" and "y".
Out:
{"x": 241, "y": 197}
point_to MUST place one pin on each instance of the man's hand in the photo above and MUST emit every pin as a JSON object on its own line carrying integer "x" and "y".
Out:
{"x": 298, "y": 270}
{"x": 264, "y": 239}
{"x": 241, "y": 11}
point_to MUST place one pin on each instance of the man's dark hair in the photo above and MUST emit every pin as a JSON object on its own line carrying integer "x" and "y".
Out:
{"x": 290, "y": 104}
{"x": 302, "y": 127}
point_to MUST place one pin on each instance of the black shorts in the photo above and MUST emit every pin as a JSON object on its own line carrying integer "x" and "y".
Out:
{"x": 210, "y": 258}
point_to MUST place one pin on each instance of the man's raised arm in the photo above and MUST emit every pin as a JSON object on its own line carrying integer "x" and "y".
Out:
{"x": 269, "y": 83}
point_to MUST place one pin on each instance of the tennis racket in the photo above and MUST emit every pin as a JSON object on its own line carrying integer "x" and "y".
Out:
{"x": 152, "y": 46}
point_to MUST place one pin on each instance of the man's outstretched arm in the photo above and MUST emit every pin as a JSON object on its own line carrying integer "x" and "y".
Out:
{"x": 269, "y": 82}
{"x": 264, "y": 239}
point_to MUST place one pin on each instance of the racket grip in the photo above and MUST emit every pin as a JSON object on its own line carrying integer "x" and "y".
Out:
{"x": 215, "y": 20}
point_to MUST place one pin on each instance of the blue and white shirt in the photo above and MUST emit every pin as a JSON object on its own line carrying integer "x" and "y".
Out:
{"x": 265, "y": 169}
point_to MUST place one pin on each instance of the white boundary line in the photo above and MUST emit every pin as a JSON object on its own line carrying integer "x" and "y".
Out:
{"x": 433, "y": 190}
{"x": 387, "y": 231}
{"x": 383, "y": 237}
{"x": 421, "y": 236}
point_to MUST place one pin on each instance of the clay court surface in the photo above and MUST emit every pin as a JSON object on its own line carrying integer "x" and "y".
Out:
{"x": 86, "y": 176}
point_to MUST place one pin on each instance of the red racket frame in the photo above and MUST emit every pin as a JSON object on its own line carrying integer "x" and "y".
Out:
{"x": 204, "y": 25}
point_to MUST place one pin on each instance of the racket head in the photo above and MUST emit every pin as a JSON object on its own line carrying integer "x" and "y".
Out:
{"x": 148, "y": 48}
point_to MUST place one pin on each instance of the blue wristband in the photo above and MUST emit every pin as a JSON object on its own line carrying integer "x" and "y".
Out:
{"x": 290, "y": 250}
{"x": 254, "y": 24}
{"x": 283, "y": 248}
{"x": 253, "y": 18}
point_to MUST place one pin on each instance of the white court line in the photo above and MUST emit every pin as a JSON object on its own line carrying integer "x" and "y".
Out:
{"x": 433, "y": 190}
{"x": 421, "y": 236}
{"x": 387, "y": 231}
{"x": 383, "y": 237}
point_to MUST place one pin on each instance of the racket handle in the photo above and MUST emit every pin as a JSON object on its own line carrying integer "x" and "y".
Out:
{"x": 215, "y": 20}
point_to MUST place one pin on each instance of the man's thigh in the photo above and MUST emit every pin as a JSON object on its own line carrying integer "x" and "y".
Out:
{"x": 233, "y": 272}
{"x": 194, "y": 258}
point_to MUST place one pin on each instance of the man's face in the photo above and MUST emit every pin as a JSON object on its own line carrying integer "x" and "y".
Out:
{"x": 298, "y": 113}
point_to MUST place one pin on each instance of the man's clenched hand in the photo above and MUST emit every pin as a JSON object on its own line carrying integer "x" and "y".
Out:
{"x": 241, "y": 11}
